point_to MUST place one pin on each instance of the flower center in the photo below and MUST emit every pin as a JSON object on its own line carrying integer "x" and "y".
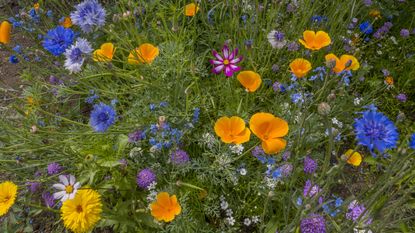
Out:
{"x": 266, "y": 137}
{"x": 69, "y": 189}
{"x": 79, "y": 208}
{"x": 76, "y": 55}
{"x": 103, "y": 116}
{"x": 226, "y": 61}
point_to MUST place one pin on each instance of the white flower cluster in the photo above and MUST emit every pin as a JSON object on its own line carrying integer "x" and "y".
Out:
{"x": 224, "y": 205}
{"x": 237, "y": 149}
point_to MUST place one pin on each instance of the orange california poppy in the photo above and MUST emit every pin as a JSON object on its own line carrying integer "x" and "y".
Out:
{"x": 145, "y": 53}
{"x": 351, "y": 61}
{"x": 191, "y": 9}
{"x": 36, "y": 6}
{"x": 250, "y": 80}
{"x": 232, "y": 130}
{"x": 315, "y": 41}
{"x": 375, "y": 13}
{"x": 5, "y": 30}
{"x": 105, "y": 53}
{"x": 270, "y": 130}
{"x": 165, "y": 208}
{"x": 389, "y": 81}
{"x": 66, "y": 22}
{"x": 300, "y": 67}
{"x": 353, "y": 157}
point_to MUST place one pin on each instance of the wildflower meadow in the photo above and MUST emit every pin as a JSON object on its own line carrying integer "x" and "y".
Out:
{"x": 183, "y": 116}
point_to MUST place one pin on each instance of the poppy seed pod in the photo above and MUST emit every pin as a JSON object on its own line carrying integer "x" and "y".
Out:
{"x": 324, "y": 109}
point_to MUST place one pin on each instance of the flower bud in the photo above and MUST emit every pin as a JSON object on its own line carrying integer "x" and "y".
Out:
{"x": 324, "y": 109}
{"x": 331, "y": 97}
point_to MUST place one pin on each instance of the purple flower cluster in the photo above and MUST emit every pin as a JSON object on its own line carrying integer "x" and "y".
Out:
{"x": 54, "y": 168}
{"x": 313, "y": 224}
{"x": 48, "y": 199}
{"x": 33, "y": 186}
{"x": 404, "y": 33}
{"x": 382, "y": 31}
{"x": 145, "y": 177}
{"x": 136, "y": 136}
{"x": 355, "y": 212}
{"x": 311, "y": 190}
{"x": 310, "y": 165}
{"x": 179, "y": 157}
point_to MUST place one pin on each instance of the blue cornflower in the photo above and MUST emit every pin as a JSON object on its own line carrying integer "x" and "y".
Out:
{"x": 49, "y": 13}
{"x": 297, "y": 98}
{"x": 163, "y": 104}
{"x": 366, "y": 28}
{"x": 13, "y": 59}
{"x": 318, "y": 19}
{"x": 88, "y": 14}
{"x": 375, "y": 131}
{"x": 18, "y": 49}
{"x": 412, "y": 142}
{"x": 152, "y": 107}
{"x": 196, "y": 113}
{"x": 75, "y": 55}
{"x": 57, "y": 40}
{"x": 102, "y": 117}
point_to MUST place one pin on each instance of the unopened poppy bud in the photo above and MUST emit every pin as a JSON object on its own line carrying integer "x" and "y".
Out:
{"x": 33, "y": 129}
{"x": 331, "y": 97}
{"x": 324, "y": 109}
{"x": 401, "y": 116}
{"x": 331, "y": 63}
{"x": 348, "y": 63}
{"x": 162, "y": 120}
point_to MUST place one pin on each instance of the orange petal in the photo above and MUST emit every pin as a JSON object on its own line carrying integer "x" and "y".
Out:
{"x": 222, "y": 126}
{"x": 237, "y": 125}
{"x": 322, "y": 39}
{"x": 163, "y": 199}
{"x": 5, "y": 30}
{"x": 157, "y": 211}
{"x": 250, "y": 80}
{"x": 355, "y": 63}
{"x": 309, "y": 37}
{"x": 260, "y": 123}
{"x": 274, "y": 145}
{"x": 353, "y": 157}
{"x": 339, "y": 65}
{"x": 278, "y": 128}
{"x": 147, "y": 53}
{"x": 191, "y": 9}
{"x": 177, "y": 209}
{"x": 242, "y": 137}
{"x": 108, "y": 50}
{"x": 300, "y": 67}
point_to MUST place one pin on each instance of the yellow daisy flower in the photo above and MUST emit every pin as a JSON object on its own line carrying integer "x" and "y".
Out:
{"x": 8, "y": 192}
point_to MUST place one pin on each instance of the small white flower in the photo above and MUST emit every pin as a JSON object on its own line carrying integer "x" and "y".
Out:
{"x": 208, "y": 140}
{"x": 357, "y": 101}
{"x": 67, "y": 187}
{"x": 362, "y": 230}
{"x": 255, "y": 219}
{"x": 337, "y": 122}
{"x": 242, "y": 171}
{"x": 152, "y": 186}
{"x": 151, "y": 196}
{"x": 230, "y": 221}
{"x": 237, "y": 149}
{"x": 247, "y": 222}
{"x": 224, "y": 205}
{"x": 229, "y": 212}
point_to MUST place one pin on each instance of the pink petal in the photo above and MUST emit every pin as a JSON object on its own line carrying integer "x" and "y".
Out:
{"x": 216, "y": 62}
{"x": 233, "y": 54}
{"x": 218, "y": 69}
{"x": 225, "y": 52}
{"x": 216, "y": 54}
{"x": 235, "y": 68}
{"x": 228, "y": 71}
{"x": 236, "y": 60}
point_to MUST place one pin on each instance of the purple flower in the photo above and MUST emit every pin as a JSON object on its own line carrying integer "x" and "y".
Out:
{"x": 54, "y": 80}
{"x": 135, "y": 136}
{"x": 311, "y": 190}
{"x": 286, "y": 155}
{"x": 355, "y": 212}
{"x": 402, "y": 97}
{"x": 89, "y": 14}
{"x": 293, "y": 46}
{"x": 145, "y": 177}
{"x": 286, "y": 169}
{"x": 404, "y": 33}
{"x": 227, "y": 63}
{"x": 48, "y": 199}
{"x": 123, "y": 162}
{"x": 367, "y": 2}
{"x": 310, "y": 165}
{"x": 54, "y": 168}
{"x": 313, "y": 224}
{"x": 179, "y": 157}
{"x": 33, "y": 186}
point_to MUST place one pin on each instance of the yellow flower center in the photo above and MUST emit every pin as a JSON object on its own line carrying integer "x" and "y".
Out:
{"x": 266, "y": 137}
{"x": 226, "y": 61}
{"x": 69, "y": 189}
{"x": 79, "y": 208}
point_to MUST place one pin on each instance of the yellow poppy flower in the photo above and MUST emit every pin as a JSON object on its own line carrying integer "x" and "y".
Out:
{"x": 232, "y": 130}
{"x": 105, "y": 53}
{"x": 166, "y": 207}
{"x": 81, "y": 213}
{"x": 270, "y": 130}
{"x": 300, "y": 67}
{"x": 351, "y": 61}
{"x": 250, "y": 80}
{"x": 353, "y": 157}
{"x": 145, "y": 53}
{"x": 66, "y": 22}
{"x": 5, "y": 30}
{"x": 8, "y": 192}
{"x": 315, "y": 41}
{"x": 191, "y": 9}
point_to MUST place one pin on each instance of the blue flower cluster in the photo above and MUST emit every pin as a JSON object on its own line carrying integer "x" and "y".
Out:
{"x": 57, "y": 40}
{"x": 333, "y": 207}
{"x": 164, "y": 136}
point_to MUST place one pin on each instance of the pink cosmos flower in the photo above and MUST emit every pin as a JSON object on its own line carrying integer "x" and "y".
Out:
{"x": 227, "y": 62}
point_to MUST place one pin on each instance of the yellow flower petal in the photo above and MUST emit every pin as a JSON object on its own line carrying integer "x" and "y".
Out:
{"x": 315, "y": 41}
{"x": 8, "y": 193}
{"x": 353, "y": 157}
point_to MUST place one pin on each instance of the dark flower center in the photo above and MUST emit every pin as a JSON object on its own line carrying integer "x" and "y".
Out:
{"x": 76, "y": 55}
{"x": 103, "y": 116}
{"x": 79, "y": 208}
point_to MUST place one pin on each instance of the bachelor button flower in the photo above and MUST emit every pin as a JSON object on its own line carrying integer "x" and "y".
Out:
{"x": 13, "y": 59}
{"x": 145, "y": 177}
{"x": 48, "y": 199}
{"x": 102, "y": 117}
{"x": 375, "y": 131}
{"x": 366, "y": 28}
{"x": 179, "y": 157}
{"x": 33, "y": 186}
{"x": 404, "y": 33}
{"x": 356, "y": 211}
{"x": 54, "y": 168}
{"x": 276, "y": 39}
{"x": 310, "y": 165}
{"x": 88, "y": 14}
{"x": 313, "y": 224}
{"x": 293, "y": 46}
{"x": 57, "y": 40}
{"x": 367, "y": 2}
{"x": 136, "y": 136}
{"x": 227, "y": 63}
{"x": 75, "y": 55}
{"x": 412, "y": 142}
{"x": 402, "y": 97}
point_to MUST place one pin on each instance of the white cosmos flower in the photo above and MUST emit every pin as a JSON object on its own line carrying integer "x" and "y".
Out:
{"x": 67, "y": 188}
